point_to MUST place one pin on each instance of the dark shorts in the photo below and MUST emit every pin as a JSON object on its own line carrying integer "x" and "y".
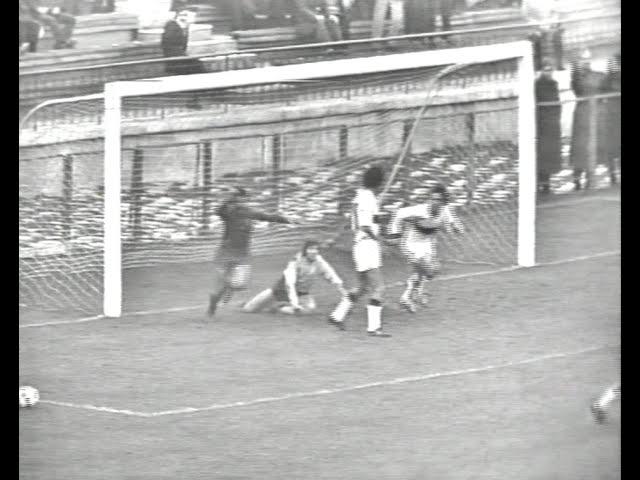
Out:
{"x": 280, "y": 291}
{"x": 227, "y": 260}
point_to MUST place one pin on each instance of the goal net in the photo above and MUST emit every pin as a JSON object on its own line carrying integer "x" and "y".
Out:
{"x": 114, "y": 186}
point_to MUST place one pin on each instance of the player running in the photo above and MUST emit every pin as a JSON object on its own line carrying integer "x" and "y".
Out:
{"x": 232, "y": 269}
{"x": 418, "y": 225}
{"x": 599, "y": 407}
{"x": 367, "y": 256}
{"x": 291, "y": 293}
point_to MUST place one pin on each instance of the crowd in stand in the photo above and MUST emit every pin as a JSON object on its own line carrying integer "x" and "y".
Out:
{"x": 313, "y": 20}
{"x": 596, "y": 122}
{"x": 35, "y": 18}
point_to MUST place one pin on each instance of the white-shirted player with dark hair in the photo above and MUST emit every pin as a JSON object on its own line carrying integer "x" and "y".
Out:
{"x": 291, "y": 293}
{"x": 367, "y": 255}
{"x": 417, "y": 227}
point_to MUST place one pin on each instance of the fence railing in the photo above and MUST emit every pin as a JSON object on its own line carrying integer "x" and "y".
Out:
{"x": 37, "y": 86}
{"x": 87, "y": 113}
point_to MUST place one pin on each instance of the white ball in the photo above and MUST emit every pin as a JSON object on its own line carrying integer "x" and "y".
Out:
{"x": 28, "y": 396}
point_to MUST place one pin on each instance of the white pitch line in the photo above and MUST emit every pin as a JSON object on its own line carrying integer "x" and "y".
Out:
{"x": 130, "y": 413}
{"x": 325, "y": 391}
{"x": 63, "y": 322}
{"x": 578, "y": 201}
{"x": 443, "y": 278}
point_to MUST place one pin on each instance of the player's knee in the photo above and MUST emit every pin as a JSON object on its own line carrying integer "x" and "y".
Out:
{"x": 238, "y": 278}
{"x": 427, "y": 268}
{"x": 377, "y": 294}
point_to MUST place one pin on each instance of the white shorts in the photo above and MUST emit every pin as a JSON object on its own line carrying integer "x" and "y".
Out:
{"x": 367, "y": 255}
{"x": 424, "y": 251}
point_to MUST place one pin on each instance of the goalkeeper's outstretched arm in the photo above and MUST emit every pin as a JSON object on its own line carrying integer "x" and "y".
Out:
{"x": 267, "y": 217}
{"x": 453, "y": 223}
{"x": 330, "y": 274}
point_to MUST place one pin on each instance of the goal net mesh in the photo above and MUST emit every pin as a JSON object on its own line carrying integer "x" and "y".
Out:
{"x": 298, "y": 147}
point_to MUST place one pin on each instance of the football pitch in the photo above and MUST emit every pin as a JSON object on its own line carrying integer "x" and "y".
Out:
{"x": 492, "y": 380}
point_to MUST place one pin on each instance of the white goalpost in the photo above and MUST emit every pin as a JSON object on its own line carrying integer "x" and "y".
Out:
{"x": 463, "y": 116}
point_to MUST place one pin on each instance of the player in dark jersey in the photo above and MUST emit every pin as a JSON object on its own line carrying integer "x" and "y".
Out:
{"x": 232, "y": 269}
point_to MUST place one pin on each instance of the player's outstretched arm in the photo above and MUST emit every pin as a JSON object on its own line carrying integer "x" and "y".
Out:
{"x": 452, "y": 221}
{"x": 267, "y": 217}
{"x": 330, "y": 274}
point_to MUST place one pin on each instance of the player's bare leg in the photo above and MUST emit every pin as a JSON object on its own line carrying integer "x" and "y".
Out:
{"x": 260, "y": 302}
{"x": 421, "y": 294}
{"x": 374, "y": 308}
{"x": 234, "y": 277}
{"x": 219, "y": 287}
{"x": 344, "y": 307}
{"x": 406, "y": 299}
{"x": 369, "y": 280}
{"x": 599, "y": 407}
{"x": 427, "y": 268}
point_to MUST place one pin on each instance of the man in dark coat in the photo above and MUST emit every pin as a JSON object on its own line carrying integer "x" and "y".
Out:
{"x": 175, "y": 38}
{"x": 420, "y": 17}
{"x": 584, "y": 83}
{"x": 609, "y": 119}
{"x": 549, "y": 159}
{"x": 60, "y": 24}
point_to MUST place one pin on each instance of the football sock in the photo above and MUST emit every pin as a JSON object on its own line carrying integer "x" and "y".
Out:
{"x": 608, "y": 396}
{"x": 412, "y": 282}
{"x": 374, "y": 314}
{"x": 342, "y": 310}
{"x": 422, "y": 287}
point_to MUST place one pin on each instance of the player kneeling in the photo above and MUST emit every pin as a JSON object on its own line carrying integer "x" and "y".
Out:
{"x": 295, "y": 284}
{"x": 417, "y": 228}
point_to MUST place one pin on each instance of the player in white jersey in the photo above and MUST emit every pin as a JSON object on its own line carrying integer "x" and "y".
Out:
{"x": 417, "y": 226}
{"x": 367, "y": 255}
{"x": 292, "y": 292}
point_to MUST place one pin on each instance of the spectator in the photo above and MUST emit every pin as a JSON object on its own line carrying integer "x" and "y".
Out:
{"x": 445, "y": 10}
{"x": 547, "y": 44}
{"x": 310, "y": 24}
{"x": 60, "y": 24}
{"x": 329, "y": 12}
{"x": 344, "y": 7}
{"x": 420, "y": 17}
{"x": 242, "y": 12}
{"x": 178, "y": 5}
{"x": 584, "y": 83}
{"x": 175, "y": 38}
{"x": 549, "y": 157}
{"x": 103, "y": 6}
{"x": 29, "y": 32}
{"x": 609, "y": 121}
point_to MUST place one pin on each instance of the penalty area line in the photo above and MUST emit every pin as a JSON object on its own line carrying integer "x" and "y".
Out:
{"x": 443, "y": 278}
{"x": 327, "y": 391}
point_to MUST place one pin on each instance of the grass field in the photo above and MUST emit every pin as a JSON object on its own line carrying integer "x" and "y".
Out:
{"x": 492, "y": 381}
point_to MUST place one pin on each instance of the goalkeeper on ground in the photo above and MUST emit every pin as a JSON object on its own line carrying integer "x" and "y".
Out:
{"x": 231, "y": 265}
{"x": 291, "y": 293}
{"x": 417, "y": 228}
